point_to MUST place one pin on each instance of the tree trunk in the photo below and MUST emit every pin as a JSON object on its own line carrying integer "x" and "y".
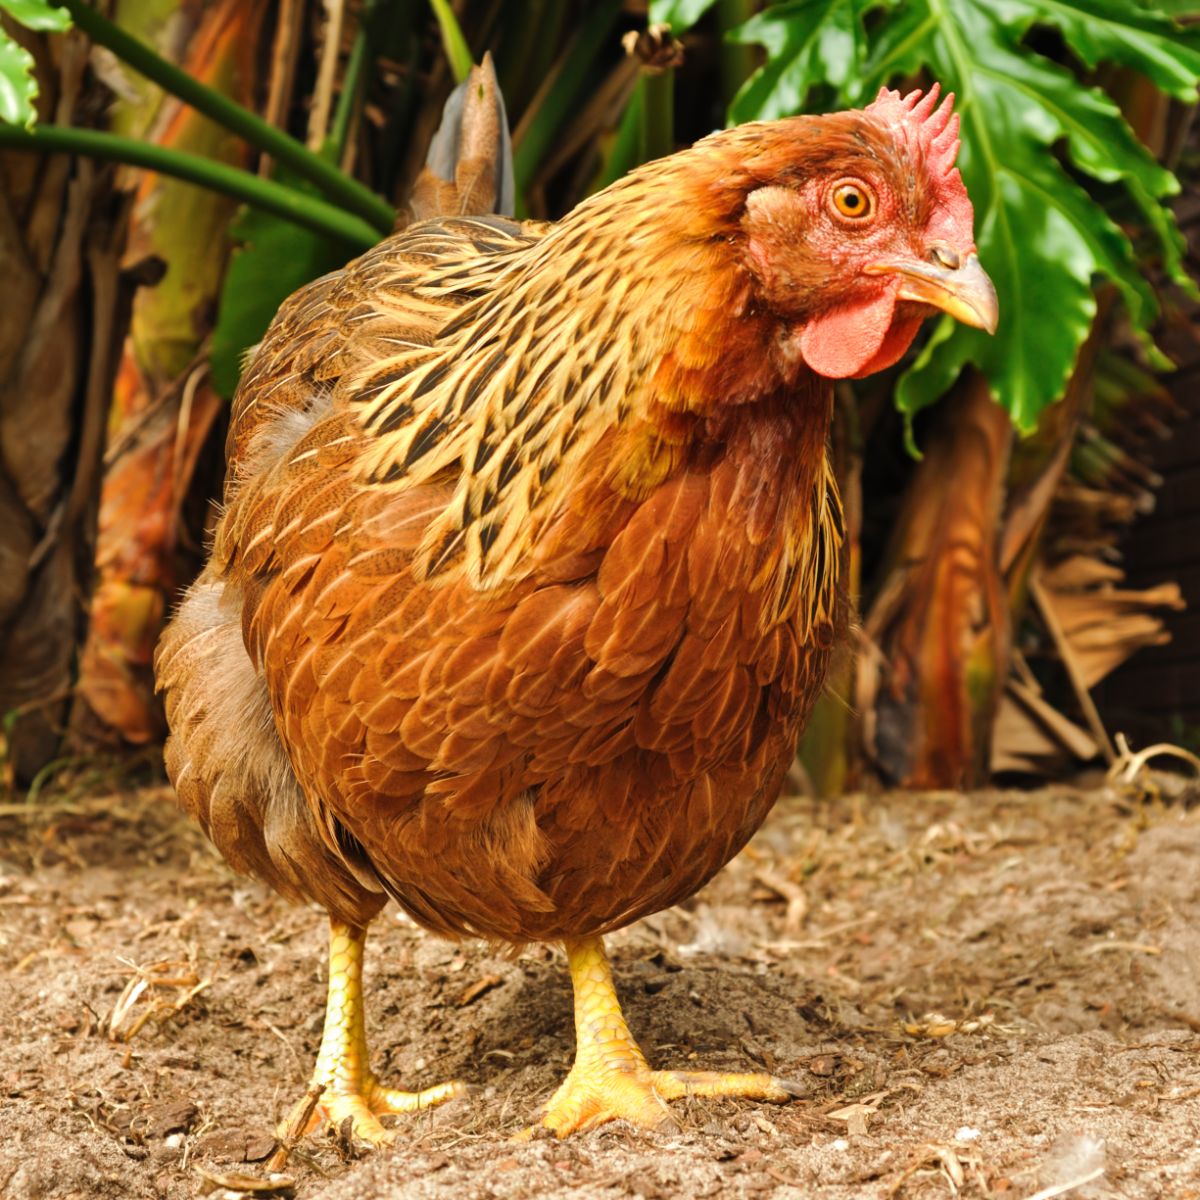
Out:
{"x": 62, "y": 226}
{"x": 938, "y": 633}
{"x": 163, "y": 407}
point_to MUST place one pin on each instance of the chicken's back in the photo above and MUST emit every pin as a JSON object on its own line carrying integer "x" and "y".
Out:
{"x": 329, "y": 332}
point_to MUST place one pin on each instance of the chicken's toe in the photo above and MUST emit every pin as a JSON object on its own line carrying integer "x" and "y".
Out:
{"x": 611, "y": 1080}
{"x": 674, "y": 1085}
{"x": 364, "y": 1106}
{"x": 348, "y": 1088}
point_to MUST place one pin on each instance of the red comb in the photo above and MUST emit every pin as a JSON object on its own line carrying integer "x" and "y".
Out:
{"x": 933, "y": 129}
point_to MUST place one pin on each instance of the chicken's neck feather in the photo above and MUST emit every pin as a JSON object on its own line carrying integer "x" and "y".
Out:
{"x": 618, "y": 344}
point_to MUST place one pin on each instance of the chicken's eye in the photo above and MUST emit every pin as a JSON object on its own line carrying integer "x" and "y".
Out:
{"x": 852, "y": 200}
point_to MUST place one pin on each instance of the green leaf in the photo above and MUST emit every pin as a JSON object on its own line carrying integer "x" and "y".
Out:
{"x": 18, "y": 87}
{"x": 681, "y": 15}
{"x": 1117, "y": 31}
{"x": 560, "y": 92}
{"x": 273, "y": 259}
{"x": 1033, "y": 134}
{"x": 38, "y": 15}
{"x": 18, "y": 84}
{"x": 1041, "y": 236}
{"x": 807, "y": 42}
{"x": 457, "y": 50}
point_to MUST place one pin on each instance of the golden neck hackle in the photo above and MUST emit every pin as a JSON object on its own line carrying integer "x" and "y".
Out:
{"x": 544, "y": 366}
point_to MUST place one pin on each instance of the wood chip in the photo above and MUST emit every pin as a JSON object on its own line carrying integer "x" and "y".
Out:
{"x": 1107, "y": 947}
{"x": 247, "y": 1185}
{"x": 822, "y": 1065}
{"x": 159, "y": 1120}
{"x": 935, "y": 1025}
{"x": 856, "y": 1117}
{"x": 479, "y": 988}
{"x": 297, "y": 1123}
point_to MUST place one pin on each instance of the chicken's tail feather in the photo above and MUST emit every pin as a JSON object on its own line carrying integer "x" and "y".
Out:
{"x": 469, "y": 168}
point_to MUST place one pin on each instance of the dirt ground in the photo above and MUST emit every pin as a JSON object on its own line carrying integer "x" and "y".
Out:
{"x": 994, "y": 995}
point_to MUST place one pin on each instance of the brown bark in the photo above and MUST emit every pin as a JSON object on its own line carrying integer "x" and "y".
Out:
{"x": 66, "y": 306}
{"x": 162, "y": 408}
{"x": 938, "y": 638}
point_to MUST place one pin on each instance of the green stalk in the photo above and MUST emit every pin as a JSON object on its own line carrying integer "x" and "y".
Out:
{"x": 624, "y": 150}
{"x": 348, "y": 192}
{"x": 557, "y": 103}
{"x": 266, "y": 194}
{"x": 399, "y": 124}
{"x": 396, "y": 36}
{"x": 738, "y": 59}
{"x": 658, "y": 114}
{"x": 457, "y": 50}
{"x": 527, "y": 50}
{"x": 646, "y": 130}
{"x": 512, "y": 52}
{"x": 353, "y": 83}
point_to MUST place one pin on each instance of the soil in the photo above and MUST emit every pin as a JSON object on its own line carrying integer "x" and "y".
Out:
{"x": 989, "y": 995}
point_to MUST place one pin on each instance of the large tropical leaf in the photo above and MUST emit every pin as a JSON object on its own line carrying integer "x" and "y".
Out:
{"x": 807, "y": 42}
{"x": 1039, "y": 149}
{"x": 18, "y": 87}
{"x": 273, "y": 258}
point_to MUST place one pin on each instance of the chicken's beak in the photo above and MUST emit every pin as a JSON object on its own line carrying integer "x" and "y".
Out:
{"x": 961, "y": 289}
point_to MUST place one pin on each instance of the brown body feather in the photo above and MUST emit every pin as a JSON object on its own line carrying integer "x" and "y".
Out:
{"x": 526, "y": 580}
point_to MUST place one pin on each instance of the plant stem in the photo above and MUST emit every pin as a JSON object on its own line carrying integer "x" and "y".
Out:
{"x": 338, "y": 186}
{"x": 624, "y": 151}
{"x": 353, "y": 82}
{"x": 658, "y": 114}
{"x": 646, "y": 130}
{"x": 527, "y": 50}
{"x": 555, "y": 100}
{"x": 738, "y": 59}
{"x": 457, "y": 50}
{"x": 309, "y": 211}
{"x": 399, "y": 41}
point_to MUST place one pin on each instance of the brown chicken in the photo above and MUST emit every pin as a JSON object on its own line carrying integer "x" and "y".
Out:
{"x": 526, "y": 579}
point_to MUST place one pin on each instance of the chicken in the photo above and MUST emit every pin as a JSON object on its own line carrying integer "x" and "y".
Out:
{"x": 526, "y": 579}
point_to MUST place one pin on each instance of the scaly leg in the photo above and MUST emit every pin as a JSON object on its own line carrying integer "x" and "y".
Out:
{"x": 351, "y": 1089}
{"x": 611, "y": 1079}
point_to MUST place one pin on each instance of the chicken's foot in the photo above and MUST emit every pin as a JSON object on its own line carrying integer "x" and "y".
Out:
{"x": 611, "y": 1079}
{"x": 350, "y": 1087}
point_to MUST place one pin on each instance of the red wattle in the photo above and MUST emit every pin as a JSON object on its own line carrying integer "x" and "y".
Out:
{"x": 898, "y": 339}
{"x": 845, "y": 342}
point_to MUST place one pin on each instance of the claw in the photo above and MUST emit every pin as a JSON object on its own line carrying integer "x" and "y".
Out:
{"x": 348, "y": 1089}
{"x": 611, "y": 1080}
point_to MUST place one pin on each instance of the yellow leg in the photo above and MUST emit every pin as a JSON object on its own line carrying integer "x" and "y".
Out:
{"x": 351, "y": 1089}
{"x": 611, "y": 1079}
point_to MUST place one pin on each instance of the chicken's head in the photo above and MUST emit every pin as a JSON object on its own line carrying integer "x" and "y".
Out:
{"x": 860, "y": 228}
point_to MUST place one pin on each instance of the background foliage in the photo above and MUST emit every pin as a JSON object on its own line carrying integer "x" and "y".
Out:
{"x": 1072, "y": 217}
{"x": 1061, "y": 185}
